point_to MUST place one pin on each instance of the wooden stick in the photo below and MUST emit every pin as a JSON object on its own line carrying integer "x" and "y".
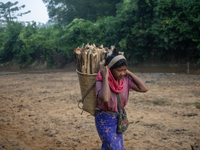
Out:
{"x": 84, "y": 60}
{"x": 91, "y": 58}
{"x": 100, "y": 54}
{"x": 78, "y": 61}
{"x": 97, "y": 59}
{"x": 104, "y": 55}
{"x": 93, "y": 62}
{"x": 88, "y": 61}
{"x": 106, "y": 49}
{"x": 101, "y": 47}
{"x": 122, "y": 53}
{"x": 94, "y": 45}
{"x": 112, "y": 48}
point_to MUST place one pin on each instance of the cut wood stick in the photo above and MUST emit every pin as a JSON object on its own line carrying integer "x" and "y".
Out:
{"x": 83, "y": 69}
{"x": 94, "y": 45}
{"x": 88, "y": 61}
{"x": 84, "y": 60}
{"x": 104, "y": 55}
{"x": 106, "y": 49}
{"x": 87, "y": 45}
{"x": 112, "y": 48}
{"x": 100, "y": 54}
{"x": 98, "y": 58}
{"x": 103, "y": 50}
{"x": 96, "y": 51}
{"x": 122, "y": 53}
{"x": 78, "y": 61}
{"x": 101, "y": 46}
{"x": 93, "y": 63}
{"x": 82, "y": 45}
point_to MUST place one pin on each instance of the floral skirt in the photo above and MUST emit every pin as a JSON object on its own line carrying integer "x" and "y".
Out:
{"x": 106, "y": 125}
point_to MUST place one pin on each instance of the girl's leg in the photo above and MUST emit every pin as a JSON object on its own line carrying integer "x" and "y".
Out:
{"x": 106, "y": 125}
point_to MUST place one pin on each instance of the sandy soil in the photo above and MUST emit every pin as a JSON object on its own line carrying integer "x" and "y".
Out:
{"x": 40, "y": 112}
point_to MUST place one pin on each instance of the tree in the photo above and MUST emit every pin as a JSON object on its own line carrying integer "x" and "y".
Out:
{"x": 160, "y": 30}
{"x": 9, "y": 41}
{"x": 7, "y": 12}
{"x": 64, "y": 11}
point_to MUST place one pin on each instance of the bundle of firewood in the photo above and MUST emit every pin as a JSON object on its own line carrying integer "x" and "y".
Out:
{"x": 90, "y": 59}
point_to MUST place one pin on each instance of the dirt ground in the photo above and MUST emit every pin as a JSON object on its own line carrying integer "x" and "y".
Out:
{"x": 39, "y": 111}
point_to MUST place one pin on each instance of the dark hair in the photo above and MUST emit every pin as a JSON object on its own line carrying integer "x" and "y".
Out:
{"x": 120, "y": 63}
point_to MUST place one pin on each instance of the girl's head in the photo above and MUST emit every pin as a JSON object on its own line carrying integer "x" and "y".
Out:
{"x": 118, "y": 67}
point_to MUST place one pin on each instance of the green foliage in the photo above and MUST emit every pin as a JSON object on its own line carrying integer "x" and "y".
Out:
{"x": 146, "y": 30}
{"x": 39, "y": 44}
{"x": 109, "y": 31}
{"x": 9, "y": 41}
{"x": 135, "y": 39}
{"x": 27, "y": 52}
{"x": 159, "y": 102}
{"x": 77, "y": 32}
{"x": 64, "y": 12}
{"x": 164, "y": 30}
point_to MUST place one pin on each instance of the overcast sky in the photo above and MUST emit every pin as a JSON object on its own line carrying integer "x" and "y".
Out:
{"x": 37, "y": 8}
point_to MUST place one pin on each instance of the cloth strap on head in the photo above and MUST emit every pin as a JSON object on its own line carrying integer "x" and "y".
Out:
{"x": 115, "y": 59}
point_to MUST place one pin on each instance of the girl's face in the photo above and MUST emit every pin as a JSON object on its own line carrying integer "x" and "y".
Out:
{"x": 119, "y": 72}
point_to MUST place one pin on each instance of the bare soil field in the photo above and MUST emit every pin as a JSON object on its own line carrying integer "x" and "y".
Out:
{"x": 40, "y": 112}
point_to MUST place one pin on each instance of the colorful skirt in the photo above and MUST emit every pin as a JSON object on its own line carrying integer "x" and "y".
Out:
{"x": 106, "y": 125}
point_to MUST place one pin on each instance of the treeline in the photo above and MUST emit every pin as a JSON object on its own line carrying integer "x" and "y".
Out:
{"x": 146, "y": 30}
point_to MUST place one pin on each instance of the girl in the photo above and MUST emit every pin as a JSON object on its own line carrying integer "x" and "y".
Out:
{"x": 113, "y": 78}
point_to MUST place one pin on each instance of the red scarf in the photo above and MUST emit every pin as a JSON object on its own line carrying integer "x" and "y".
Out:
{"x": 117, "y": 88}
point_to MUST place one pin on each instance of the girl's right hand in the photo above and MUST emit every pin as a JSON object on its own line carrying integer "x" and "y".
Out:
{"x": 104, "y": 72}
{"x": 128, "y": 72}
